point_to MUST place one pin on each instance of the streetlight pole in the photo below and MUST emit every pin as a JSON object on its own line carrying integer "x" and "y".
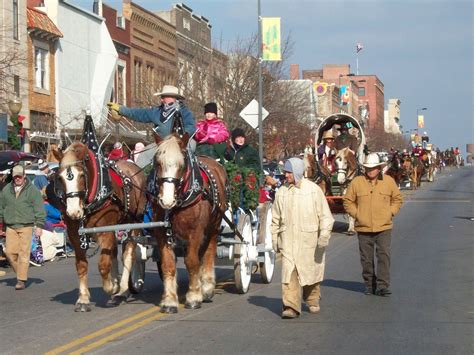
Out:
{"x": 260, "y": 89}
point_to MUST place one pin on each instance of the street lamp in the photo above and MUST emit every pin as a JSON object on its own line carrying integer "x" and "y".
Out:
{"x": 15, "y": 107}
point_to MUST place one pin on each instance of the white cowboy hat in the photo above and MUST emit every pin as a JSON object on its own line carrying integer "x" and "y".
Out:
{"x": 169, "y": 90}
{"x": 372, "y": 160}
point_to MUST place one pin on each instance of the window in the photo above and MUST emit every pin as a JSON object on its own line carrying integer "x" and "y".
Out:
{"x": 41, "y": 68}
{"x": 186, "y": 24}
{"x": 138, "y": 79}
{"x": 16, "y": 85}
{"x": 121, "y": 93}
{"x": 361, "y": 92}
{"x": 15, "y": 19}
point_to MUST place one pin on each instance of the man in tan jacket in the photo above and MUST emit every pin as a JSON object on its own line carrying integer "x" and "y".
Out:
{"x": 373, "y": 200}
{"x": 301, "y": 228}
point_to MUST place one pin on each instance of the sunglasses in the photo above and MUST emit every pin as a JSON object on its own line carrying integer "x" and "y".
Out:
{"x": 18, "y": 177}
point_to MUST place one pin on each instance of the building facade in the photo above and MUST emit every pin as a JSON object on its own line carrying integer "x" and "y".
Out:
{"x": 42, "y": 40}
{"x": 392, "y": 117}
{"x": 194, "y": 52}
{"x": 152, "y": 53}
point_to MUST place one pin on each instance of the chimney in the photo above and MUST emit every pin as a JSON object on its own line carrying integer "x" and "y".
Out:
{"x": 294, "y": 71}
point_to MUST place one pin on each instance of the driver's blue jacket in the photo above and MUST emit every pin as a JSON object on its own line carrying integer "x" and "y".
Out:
{"x": 153, "y": 115}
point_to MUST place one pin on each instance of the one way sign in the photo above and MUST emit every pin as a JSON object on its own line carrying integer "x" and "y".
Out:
{"x": 250, "y": 113}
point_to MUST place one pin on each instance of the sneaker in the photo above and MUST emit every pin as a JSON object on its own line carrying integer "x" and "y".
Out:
{"x": 2, "y": 273}
{"x": 289, "y": 313}
{"x": 384, "y": 292}
{"x": 20, "y": 285}
{"x": 314, "y": 309}
{"x": 34, "y": 263}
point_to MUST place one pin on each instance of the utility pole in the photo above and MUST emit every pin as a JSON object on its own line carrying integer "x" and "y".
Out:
{"x": 260, "y": 88}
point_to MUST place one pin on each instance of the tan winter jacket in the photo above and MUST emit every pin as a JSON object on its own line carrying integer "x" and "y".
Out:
{"x": 301, "y": 220}
{"x": 373, "y": 206}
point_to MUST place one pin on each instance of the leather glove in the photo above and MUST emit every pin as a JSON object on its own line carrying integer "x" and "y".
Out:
{"x": 114, "y": 106}
{"x": 114, "y": 110}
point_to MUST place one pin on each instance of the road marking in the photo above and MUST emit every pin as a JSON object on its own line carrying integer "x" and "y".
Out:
{"x": 103, "y": 331}
{"x": 439, "y": 201}
{"x": 121, "y": 332}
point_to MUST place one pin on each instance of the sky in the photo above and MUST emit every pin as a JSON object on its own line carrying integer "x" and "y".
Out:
{"x": 422, "y": 50}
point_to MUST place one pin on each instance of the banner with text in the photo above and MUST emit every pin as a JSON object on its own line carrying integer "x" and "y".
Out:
{"x": 271, "y": 38}
{"x": 421, "y": 121}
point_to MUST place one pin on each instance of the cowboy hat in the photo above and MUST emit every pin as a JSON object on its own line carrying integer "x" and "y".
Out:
{"x": 328, "y": 135}
{"x": 372, "y": 160}
{"x": 169, "y": 90}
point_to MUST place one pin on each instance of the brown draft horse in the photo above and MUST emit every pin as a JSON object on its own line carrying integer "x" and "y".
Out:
{"x": 395, "y": 169}
{"x": 317, "y": 172}
{"x": 75, "y": 176}
{"x": 197, "y": 223}
{"x": 414, "y": 169}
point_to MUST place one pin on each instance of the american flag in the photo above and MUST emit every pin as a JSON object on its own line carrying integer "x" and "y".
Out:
{"x": 359, "y": 47}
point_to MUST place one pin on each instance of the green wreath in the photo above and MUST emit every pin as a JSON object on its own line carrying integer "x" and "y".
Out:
{"x": 243, "y": 182}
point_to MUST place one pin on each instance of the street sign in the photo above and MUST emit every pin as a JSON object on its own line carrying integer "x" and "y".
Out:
{"x": 250, "y": 113}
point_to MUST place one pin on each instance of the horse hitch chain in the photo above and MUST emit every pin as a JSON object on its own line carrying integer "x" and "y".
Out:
{"x": 83, "y": 238}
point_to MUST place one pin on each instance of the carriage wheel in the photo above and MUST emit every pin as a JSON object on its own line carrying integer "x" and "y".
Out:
{"x": 267, "y": 267}
{"x": 242, "y": 266}
{"x": 136, "y": 280}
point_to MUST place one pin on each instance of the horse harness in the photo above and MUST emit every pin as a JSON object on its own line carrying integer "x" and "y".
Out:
{"x": 100, "y": 194}
{"x": 190, "y": 188}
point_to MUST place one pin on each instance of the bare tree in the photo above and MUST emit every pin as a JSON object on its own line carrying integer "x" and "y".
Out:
{"x": 379, "y": 140}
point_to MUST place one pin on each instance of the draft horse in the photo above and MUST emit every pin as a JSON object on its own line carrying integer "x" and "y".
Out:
{"x": 347, "y": 169}
{"x": 395, "y": 169}
{"x": 191, "y": 194}
{"x": 77, "y": 185}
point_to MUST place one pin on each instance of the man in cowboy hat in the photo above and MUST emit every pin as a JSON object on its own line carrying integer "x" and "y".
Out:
{"x": 345, "y": 139}
{"x": 326, "y": 151}
{"x": 161, "y": 116}
{"x": 373, "y": 200}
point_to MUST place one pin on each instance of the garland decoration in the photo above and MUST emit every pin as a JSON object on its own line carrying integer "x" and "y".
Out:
{"x": 243, "y": 186}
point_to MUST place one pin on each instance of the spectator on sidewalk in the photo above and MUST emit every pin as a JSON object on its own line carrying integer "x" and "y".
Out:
{"x": 301, "y": 228}
{"x": 373, "y": 200}
{"x": 21, "y": 211}
{"x": 41, "y": 181}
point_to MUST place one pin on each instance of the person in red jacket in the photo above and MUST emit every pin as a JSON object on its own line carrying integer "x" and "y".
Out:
{"x": 117, "y": 153}
{"x": 211, "y": 134}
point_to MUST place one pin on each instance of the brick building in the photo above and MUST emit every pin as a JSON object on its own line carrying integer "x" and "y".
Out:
{"x": 42, "y": 39}
{"x": 365, "y": 98}
{"x": 152, "y": 53}
{"x": 194, "y": 52}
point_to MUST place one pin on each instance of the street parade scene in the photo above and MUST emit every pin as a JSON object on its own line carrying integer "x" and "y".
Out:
{"x": 180, "y": 178}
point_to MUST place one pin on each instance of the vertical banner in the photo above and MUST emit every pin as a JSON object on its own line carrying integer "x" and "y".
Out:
{"x": 421, "y": 121}
{"x": 345, "y": 95}
{"x": 3, "y": 127}
{"x": 271, "y": 38}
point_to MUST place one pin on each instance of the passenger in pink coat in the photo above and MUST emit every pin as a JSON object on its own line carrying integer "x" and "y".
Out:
{"x": 211, "y": 134}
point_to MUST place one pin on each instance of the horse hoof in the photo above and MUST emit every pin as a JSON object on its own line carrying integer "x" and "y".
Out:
{"x": 192, "y": 305}
{"x": 169, "y": 309}
{"x": 207, "y": 298}
{"x": 82, "y": 307}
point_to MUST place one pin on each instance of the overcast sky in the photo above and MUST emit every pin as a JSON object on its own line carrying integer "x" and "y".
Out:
{"x": 422, "y": 50}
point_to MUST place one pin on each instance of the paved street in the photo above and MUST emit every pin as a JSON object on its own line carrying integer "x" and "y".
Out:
{"x": 431, "y": 310}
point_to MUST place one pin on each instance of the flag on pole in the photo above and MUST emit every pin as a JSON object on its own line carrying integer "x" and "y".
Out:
{"x": 271, "y": 38}
{"x": 359, "y": 47}
{"x": 421, "y": 121}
